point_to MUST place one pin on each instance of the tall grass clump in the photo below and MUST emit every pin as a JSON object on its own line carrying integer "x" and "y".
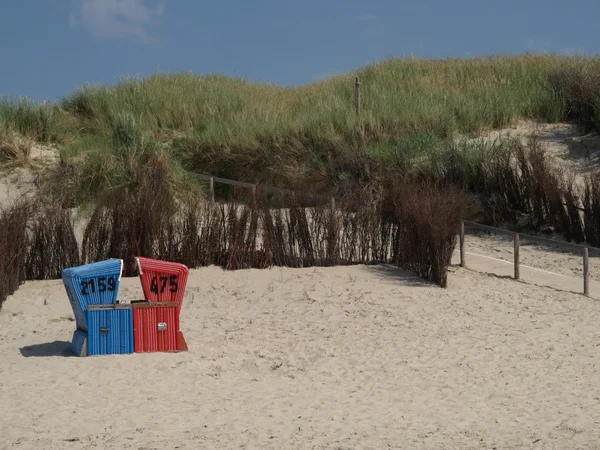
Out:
{"x": 39, "y": 121}
{"x": 577, "y": 85}
{"x": 98, "y": 168}
{"x": 516, "y": 183}
{"x": 307, "y": 136}
{"x": 126, "y": 132}
{"x": 14, "y": 151}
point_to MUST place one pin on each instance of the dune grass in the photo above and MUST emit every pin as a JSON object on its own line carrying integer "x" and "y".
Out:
{"x": 99, "y": 168}
{"x": 399, "y": 97}
{"x": 310, "y": 135}
{"x": 39, "y": 121}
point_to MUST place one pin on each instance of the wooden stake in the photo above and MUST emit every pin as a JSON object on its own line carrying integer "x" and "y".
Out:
{"x": 586, "y": 272}
{"x": 462, "y": 245}
{"x": 517, "y": 271}
{"x": 357, "y": 95}
{"x": 211, "y": 187}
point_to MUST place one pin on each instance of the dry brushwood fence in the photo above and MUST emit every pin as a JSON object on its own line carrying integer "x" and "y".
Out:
{"x": 247, "y": 231}
{"x": 413, "y": 227}
{"x": 37, "y": 241}
{"x": 13, "y": 247}
{"x": 52, "y": 243}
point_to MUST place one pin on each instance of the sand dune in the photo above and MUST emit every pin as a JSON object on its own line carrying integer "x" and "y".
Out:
{"x": 352, "y": 358}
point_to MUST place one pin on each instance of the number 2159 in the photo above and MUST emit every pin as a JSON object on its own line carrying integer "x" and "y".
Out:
{"x": 102, "y": 284}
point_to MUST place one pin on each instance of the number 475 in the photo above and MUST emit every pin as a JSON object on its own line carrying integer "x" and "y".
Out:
{"x": 155, "y": 286}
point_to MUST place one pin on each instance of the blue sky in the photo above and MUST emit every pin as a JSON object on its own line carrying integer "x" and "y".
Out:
{"x": 50, "y": 47}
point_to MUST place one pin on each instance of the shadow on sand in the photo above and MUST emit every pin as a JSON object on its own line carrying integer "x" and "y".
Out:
{"x": 403, "y": 276}
{"x": 56, "y": 348}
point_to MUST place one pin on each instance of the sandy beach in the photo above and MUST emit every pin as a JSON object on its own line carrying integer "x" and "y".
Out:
{"x": 362, "y": 357}
{"x": 338, "y": 358}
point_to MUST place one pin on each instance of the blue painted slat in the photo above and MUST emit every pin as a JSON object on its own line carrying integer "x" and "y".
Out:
{"x": 78, "y": 342}
{"x": 93, "y": 332}
{"x": 127, "y": 332}
{"x": 101, "y": 334}
{"x": 114, "y": 331}
{"x": 92, "y": 284}
{"x": 110, "y": 330}
{"x": 126, "y": 338}
{"x": 78, "y": 310}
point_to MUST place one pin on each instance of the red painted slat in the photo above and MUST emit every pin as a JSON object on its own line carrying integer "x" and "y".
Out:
{"x": 147, "y": 335}
{"x": 162, "y": 281}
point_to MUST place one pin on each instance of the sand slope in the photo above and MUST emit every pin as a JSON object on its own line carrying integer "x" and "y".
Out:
{"x": 351, "y": 358}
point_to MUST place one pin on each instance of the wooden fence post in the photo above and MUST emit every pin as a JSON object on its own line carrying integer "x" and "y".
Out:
{"x": 517, "y": 271}
{"x": 253, "y": 193}
{"x": 586, "y": 272}
{"x": 211, "y": 187}
{"x": 357, "y": 95}
{"x": 462, "y": 244}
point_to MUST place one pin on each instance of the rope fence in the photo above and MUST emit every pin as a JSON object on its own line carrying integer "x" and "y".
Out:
{"x": 583, "y": 250}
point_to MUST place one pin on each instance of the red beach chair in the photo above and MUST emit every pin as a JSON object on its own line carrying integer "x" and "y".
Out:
{"x": 162, "y": 281}
{"x": 156, "y": 320}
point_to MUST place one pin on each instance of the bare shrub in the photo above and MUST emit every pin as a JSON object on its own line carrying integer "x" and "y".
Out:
{"x": 52, "y": 242}
{"x": 212, "y": 240}
{"x": 521, "y": 184}
{"x": 13, "y": 247}
{"x": 245, "y": 232}
{"x": 426, "y": 219}
{"x": 498, "y": 184}
{"x": 575, "y": 214}
{"x": 549, "y": 193}
{"x": 364, "y": 231}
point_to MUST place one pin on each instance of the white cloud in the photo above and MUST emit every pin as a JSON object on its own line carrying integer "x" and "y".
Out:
{"x": 366, "y": 18}
{"x": 114, "y": 19}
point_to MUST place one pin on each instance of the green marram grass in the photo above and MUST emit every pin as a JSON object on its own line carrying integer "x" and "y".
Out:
{"x": 399, "y": 96}
{"x": 39, "y": 121}
{"x": 310, "y": 134}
